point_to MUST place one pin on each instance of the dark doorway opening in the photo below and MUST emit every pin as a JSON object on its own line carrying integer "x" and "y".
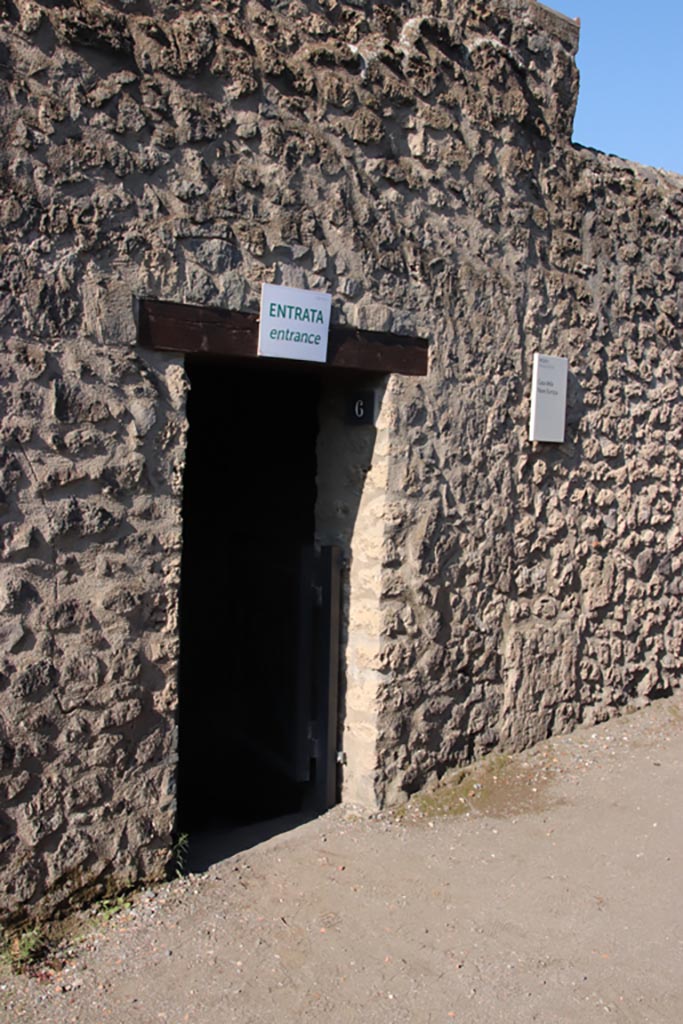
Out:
{"x": 246, "y": 691}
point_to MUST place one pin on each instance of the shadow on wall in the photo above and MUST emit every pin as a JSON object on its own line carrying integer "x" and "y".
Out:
{"x": 351, "y": 487}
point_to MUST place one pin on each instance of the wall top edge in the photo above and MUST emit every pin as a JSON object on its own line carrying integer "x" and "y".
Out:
{"x": 558, "y": 23}
{"x": 559, "y": 14}
{"x": 667, "y": 181}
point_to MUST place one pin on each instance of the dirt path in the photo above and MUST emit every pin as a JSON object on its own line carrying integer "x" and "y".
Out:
{"x": 566, "y": 908}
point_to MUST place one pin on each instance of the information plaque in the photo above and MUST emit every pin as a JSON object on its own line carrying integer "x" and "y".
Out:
{"x": 548, "y": 398}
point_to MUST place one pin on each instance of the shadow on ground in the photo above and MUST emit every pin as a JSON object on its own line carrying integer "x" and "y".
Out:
{"x": 212, "y": 845}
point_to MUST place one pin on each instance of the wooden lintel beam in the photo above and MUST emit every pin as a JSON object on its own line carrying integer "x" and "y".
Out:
{"x": 202, "y": 330}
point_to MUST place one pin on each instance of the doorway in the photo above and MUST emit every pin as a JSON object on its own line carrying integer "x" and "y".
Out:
{"x": 247, "y": 615}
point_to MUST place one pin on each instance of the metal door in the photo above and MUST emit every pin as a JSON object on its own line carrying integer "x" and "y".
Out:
{"x": 294, "y": 643}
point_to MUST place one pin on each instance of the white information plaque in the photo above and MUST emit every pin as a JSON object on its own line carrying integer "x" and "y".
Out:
{"x": 294, "y": 323}
{"x": 548, "y": 398}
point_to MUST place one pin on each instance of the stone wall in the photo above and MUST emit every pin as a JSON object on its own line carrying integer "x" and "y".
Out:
{"x": 541, "y": 580}
{"x": 91, "y": 455}
{"x": 414, "y": 159}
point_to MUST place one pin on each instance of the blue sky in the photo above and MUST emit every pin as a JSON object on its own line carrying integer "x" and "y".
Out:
{"x": 631, "y": 64}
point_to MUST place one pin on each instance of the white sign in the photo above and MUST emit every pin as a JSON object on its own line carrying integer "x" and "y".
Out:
{"x": 294, "y": 323}
{"x": 548, "y": 398}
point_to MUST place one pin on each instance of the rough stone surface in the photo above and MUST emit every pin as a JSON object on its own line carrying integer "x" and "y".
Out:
{"x": 90, "y": 535}
{"x": 415, "y": 160}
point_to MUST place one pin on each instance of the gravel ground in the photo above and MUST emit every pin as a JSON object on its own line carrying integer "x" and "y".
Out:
{"x": 540, "y": 887}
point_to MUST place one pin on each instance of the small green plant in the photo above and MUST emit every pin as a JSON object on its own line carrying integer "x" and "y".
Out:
{"x": 181, "y": 848}
{"x": 110, "y": 906}
{"x": 22, "y": 949}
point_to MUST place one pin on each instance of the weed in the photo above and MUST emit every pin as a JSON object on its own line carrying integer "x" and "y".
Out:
{"x": 22, "y": 949}
{"x": 181, "y": 848}
{"x": 110, "y": 906}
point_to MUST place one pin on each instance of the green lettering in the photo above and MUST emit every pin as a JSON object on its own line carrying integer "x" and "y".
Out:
{"x": 305, "y": 314}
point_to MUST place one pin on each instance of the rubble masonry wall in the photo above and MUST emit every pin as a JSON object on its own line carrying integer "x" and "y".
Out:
{"x": 414, "y": 159}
